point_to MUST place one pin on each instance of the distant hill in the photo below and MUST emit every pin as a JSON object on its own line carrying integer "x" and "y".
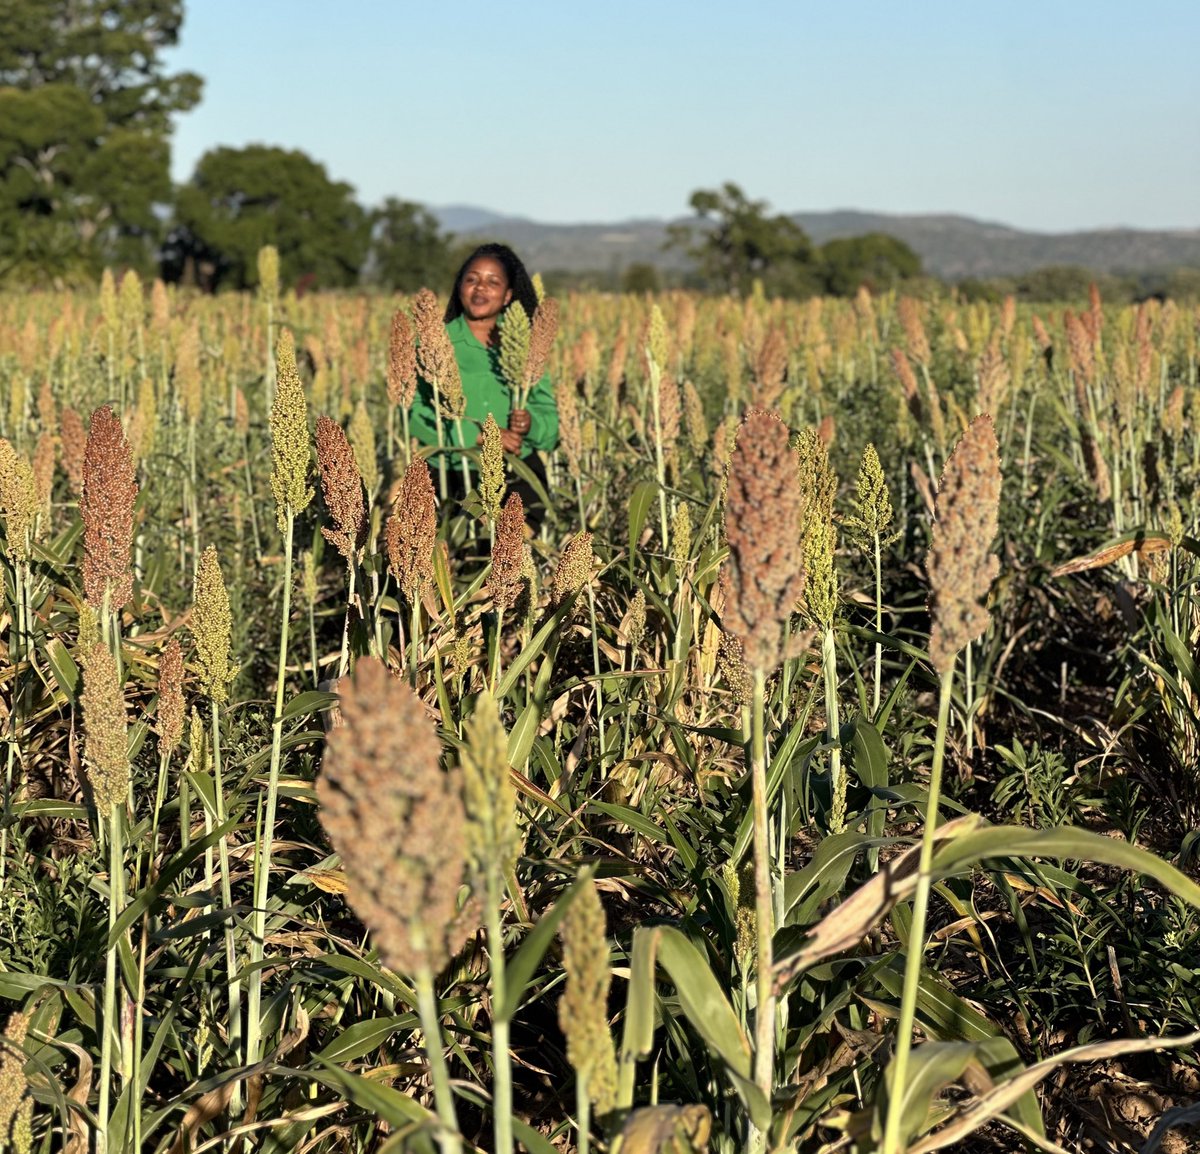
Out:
{"x": 951, "y": 247}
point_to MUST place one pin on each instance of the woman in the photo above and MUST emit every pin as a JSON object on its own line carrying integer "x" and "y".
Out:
{"x": 489, "y": 279}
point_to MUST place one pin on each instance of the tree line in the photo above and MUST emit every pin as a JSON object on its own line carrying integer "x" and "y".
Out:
{"x": 86, "y": 103}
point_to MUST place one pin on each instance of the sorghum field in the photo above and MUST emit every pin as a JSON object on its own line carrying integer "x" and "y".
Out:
{"x": 822, "y": 774}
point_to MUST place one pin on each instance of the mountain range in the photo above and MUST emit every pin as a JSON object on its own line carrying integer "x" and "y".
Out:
{"x": 950, "y": 246}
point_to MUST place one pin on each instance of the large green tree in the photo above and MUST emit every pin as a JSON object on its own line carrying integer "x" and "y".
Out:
{"x": 240, "y": 199}
{"x": 85, "y": 108}
{"x": 738, "y": 242}
{"x": 876, "y": 260}
{"x": 408, "y": 249}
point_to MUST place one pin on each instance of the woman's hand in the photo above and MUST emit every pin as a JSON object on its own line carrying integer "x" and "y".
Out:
{"x": 518, "y": 425}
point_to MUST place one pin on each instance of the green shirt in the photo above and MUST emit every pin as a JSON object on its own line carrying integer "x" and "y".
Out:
{"x": 486, "y": 392}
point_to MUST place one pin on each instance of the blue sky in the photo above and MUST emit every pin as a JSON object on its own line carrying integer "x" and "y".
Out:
{"x": 1044, "y": 114}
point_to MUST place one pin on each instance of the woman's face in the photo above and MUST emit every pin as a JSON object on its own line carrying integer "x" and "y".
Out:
{"x": 484, "y": 290}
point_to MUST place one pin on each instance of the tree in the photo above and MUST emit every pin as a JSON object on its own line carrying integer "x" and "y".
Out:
{"x": 240, "y": 199}
{"x": 408, "y": 251}
{"x": 639, "y": 278}
{"x": 85, "y": 109}
{"x": 741, "y": 244}
{"x": 875, "y": 260}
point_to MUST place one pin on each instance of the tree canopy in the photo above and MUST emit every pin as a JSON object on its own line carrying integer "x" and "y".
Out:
{"x": 738, "y": 243}
{"x": 876, "y": 260}
{"x": 408, "y": 250}
{"x": 240, "y": 199}
{"x": 85, "y": 107}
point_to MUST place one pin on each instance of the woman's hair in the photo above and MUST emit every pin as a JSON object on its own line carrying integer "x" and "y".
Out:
{"x": 518, "y": 279}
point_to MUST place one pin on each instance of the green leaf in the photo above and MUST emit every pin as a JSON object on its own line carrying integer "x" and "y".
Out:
{"x": 780, "y": 763}
{"x": 640, "y": 502}
{"x": 374, "y": 975}
{"x": 520, "y": 970}
{"x": 638, "y": 1035}
{"x": 63, "y": 666}
{"x": 871, "y": 765}
{"x": 394, "y": 1107}
{"x": 701, "y": 997}
{"x": 535, "y": 646}
{"x": 311, "y": 701}
{"x": 825, "y": 874}
{"x": 172, "y": 868}
{"x": 364, "y": 1037}
{"x": 931, "y": 1067}
{"x": 939, "y": 1009}
{"x": 647, "y": 827}
{"x": 1007, "y": 841}
{"x": 523, "y": 735}
{"x": 705, "y": 1005}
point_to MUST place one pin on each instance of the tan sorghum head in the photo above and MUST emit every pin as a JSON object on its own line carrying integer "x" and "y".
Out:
{"x": 694, "y": 420}
{"x": 491, "y": 469}
{"x": 770, "y": 367}
{"x": 212, "y": 627}
{"x": 412, "y": 529}
{"x": 493, "y": 840}
{"x": 583, "y": 1009}
{"x": 172, "y": 709}
{"x": 764, "y": 576}
{"x": 542, "y": 332}
{"x": 342, "y": 488}
{"x": 73, "y": 437}
{"x": 515, "y": 332}
{"x": 508, "y": 554}
{"x": 435, "y": 353}
{"x": 574, "y": 568}
{"x": 109, "y": 491}
{"x": 105, "y": 747}
{"x": 570, "y": 434}
{"x": 397, "y": 819}
{"x": 13, "y": 1087}
{"x": 289, "y": 435}
{"x": 402, "y": 361}
{"x": 909, "y": 312}
{"x": 959, "y": 564}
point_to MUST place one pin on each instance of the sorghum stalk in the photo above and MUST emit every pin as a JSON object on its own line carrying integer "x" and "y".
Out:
{"x": 960, "y": 569}
{"x": 212, "y": 625}
{"x": 289, "y": 482}
{"x": 268, "y": 288}
{"x": 504, "y": 580}
{"x": 342, "y": 485}
{"x": 873, "y": 518}
{"x": 819, "y": 486}
{"x": 435, "y": 357}
{"x": 763, "y": 580}
{"x": 764, "y": 1013}
{"x": 583, "y": 1009}
{"x": 494, "y": 843}
{"x": 409, "y": 536}
{"x": 660, "y": 468}
{"x": 106, "y": 762}
{"x": 443, "y": 1097}
{"x": 308, "y": 568}
{"x": 397, "y": 820}
{"x": 916, "y": 932}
